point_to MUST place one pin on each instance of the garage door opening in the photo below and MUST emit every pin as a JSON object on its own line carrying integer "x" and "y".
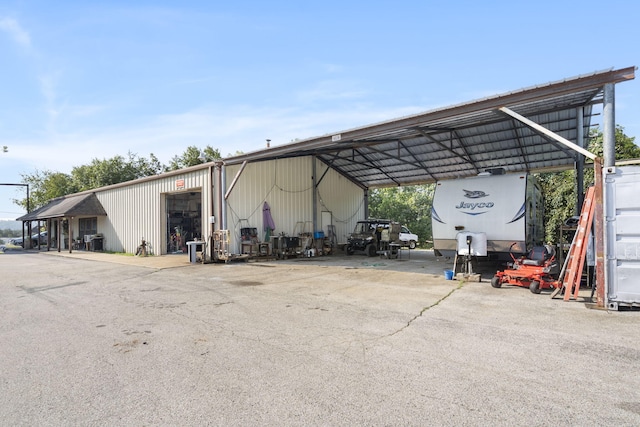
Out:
{"x": 184, "y": 220}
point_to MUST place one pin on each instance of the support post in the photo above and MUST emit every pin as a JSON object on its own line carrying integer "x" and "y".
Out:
{"x": 579, "y": 159}
{"x": 599, "y": 232}
{"x": 609, "y": 126}
{"x": 70, "y": 238}
{"x": 59, "y": 234}
{"x": 366, "y": 203}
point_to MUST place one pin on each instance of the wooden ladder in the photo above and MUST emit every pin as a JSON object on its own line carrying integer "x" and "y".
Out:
{"x": 578, "y": 250}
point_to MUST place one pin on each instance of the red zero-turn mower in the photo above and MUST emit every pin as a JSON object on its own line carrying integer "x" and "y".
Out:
{"x": 533, "y": 271}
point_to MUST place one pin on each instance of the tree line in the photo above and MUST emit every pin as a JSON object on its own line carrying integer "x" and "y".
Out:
{"x": 46, "y": 184}
{"x": 8, "y": 232}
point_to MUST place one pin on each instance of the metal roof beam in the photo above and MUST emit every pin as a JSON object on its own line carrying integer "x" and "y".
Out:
{"x": 518, "y": 139}
{"x": 377, "y": 167}
{"x": 450, "y": 150}
{"x": 548, "y": 133}
{"x": 402, "y": 160}
{"x": 235, "y": 179}
{"x": 464, "y": 148}
{"x": 529, "y": 95}
{"x": 344, "y": 174}
{"x": 419, "y": 162}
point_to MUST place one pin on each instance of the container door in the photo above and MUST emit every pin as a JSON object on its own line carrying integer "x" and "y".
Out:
{"x": 622, "y": 234}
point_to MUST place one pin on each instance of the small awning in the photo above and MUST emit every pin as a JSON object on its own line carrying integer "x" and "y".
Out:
{"x": 67, "y": 206}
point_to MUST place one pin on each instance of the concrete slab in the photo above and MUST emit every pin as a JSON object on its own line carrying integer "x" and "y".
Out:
{"x": 157, "y": 262}
{"x": 88, "y": 340}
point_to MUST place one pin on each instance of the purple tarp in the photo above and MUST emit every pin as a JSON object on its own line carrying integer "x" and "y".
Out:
{"x": 267, "y": 219}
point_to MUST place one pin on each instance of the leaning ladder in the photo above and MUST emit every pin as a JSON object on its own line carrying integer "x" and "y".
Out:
{"x": 578, "y": 249}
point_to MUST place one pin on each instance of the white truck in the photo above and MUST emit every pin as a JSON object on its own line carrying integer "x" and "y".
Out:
{"x": 508, "y": 208}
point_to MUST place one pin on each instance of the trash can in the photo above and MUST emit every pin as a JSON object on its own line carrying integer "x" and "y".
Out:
{"x": 193, "y": 248}
{"x": 448, "y": 274}
{"x": 96, "y": 244}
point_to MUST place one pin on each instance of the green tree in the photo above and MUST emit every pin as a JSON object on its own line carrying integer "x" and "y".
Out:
{"x": 115, "y": 170}
{"x": 193, "y": 156}
{"x": 559, "y": 189}
{"x": 44, "y": 186}
{"x": 625, "y": 145}
{"x": 47, "y": 185}
{"x": 410, "y": 206}
{"x": 559, "y": 192}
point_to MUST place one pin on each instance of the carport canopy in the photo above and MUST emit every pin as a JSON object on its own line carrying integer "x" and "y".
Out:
{"x": 465, "y": 139}
{"x": 82, "y": 204}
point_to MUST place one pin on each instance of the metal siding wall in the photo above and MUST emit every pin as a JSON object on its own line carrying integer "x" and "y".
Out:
{"x": 342, "y": 198}
{"x": 287, "y": 185}
{"x": 138, "y": 211}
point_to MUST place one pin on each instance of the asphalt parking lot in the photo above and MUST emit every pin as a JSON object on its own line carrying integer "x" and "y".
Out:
{"x": 97, "y": 339}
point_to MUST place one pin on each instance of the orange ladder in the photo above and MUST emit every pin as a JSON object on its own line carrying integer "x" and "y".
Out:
{"x": 578, "y": 250}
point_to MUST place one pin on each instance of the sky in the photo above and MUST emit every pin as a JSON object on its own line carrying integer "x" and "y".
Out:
{"x": 84, "y": 80}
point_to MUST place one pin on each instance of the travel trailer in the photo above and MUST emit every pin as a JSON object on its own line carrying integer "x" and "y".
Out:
{"x": 507, "y": 208}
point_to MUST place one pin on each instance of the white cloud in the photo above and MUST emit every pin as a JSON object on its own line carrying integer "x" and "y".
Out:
{"x": 15, "y": 31}
{"x": 239, "y": 128}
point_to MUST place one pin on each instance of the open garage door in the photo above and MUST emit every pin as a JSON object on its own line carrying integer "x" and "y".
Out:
{"x": 184, "y": 220}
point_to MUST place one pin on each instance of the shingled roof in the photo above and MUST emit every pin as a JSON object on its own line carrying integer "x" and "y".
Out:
{"x": 85, "y": 204}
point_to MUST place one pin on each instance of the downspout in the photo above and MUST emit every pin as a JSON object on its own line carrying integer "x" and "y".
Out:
{"x": 210, "y": 214}
{"x": 315, "y": 193}
{"x": 212, "y": 189}
{"x": 223, "y": 200}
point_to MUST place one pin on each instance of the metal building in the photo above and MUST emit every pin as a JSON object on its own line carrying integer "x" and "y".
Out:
{"x": 325, "y": 180}
{"x": 305, "y": 195}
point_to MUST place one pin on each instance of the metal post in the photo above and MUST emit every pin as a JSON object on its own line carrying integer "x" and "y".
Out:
{"x": 600, "y": 235}
{"x": 366, "y": 203}
{"x": 24, "y": 241}
{"x": 59, "y": 233}
{"x": 609, "y": 125}
{"x": 70, "y": 238}
{"x": 579, "y": 160}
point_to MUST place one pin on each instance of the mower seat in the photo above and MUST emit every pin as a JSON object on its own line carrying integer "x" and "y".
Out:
{"x": 538, "y": 256}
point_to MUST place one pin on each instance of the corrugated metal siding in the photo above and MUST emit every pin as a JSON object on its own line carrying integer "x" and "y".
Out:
{"x": 622, "y": 233}
{"x": 342, "y": 198}
{"x": 287, "y": 185}
{"x": 138, "y": 210}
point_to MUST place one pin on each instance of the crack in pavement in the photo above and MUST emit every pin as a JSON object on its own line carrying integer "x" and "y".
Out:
{"x": 460, "y": 285}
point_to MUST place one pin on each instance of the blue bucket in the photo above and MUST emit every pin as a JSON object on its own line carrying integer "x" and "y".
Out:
{"x": 448, "y": 274}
